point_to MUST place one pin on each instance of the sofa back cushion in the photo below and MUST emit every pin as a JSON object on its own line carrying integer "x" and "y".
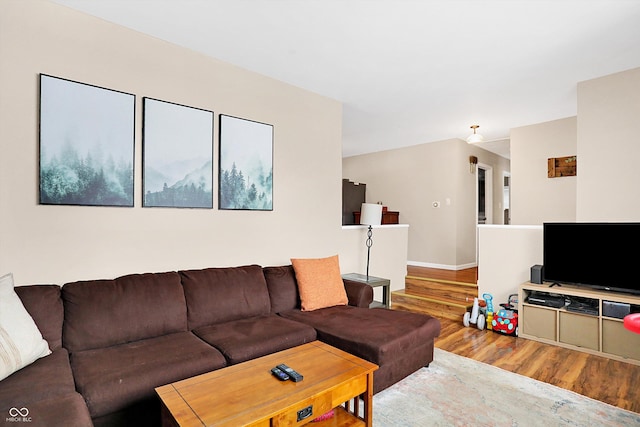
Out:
{"x": 102, "y": 313}
{"x": 217, "y": 295}
{"x": 44, "y": 304}
{"x": 283, "y": 288}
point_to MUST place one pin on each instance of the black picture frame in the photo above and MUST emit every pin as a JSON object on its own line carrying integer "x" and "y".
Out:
{"x": 86, "y": 144}
{"x": 245, "y": 177}
{"x": 177, "y": 155}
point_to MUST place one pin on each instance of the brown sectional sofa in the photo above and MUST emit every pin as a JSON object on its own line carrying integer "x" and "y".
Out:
{"x": 127, "y": 336}
{"x": 46, "y": 387}
{"x": 114, "y": 341}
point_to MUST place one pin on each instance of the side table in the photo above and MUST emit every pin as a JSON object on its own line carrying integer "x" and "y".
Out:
{"x": 374, "y": 282}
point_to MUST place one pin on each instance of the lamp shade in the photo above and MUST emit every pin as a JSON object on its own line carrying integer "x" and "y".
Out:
{"x": 474, "y": 138}
{"x": 370, "y": 214}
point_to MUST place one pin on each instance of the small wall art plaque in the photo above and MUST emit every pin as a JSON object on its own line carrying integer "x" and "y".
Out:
{"x": 561, "y": 166}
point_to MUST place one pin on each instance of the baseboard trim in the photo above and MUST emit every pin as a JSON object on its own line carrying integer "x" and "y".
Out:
{"x": 441, "y": 266}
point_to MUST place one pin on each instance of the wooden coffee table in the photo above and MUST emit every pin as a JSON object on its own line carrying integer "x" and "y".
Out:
{"x": 247, "y": 394}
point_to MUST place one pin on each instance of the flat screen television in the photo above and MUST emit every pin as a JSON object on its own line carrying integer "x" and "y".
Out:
{"x": 600, "y": 255}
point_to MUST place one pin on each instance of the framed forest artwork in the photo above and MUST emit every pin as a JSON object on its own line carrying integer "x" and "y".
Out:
{"x": 177, "y": 155}
{"x": 246, "y": 165}
{"x": 87, "y": 138}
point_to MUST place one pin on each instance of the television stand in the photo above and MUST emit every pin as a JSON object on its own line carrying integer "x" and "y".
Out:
{"x": 586, "y": 326}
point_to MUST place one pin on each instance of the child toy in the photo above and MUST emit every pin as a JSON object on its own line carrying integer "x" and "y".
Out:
{"x": 489, "y": 300}
{"x": 506, "y": 322}
{"x": 324, "y": 417}
{"x": 512, "y": 304}
{"x": 476, "y": 316}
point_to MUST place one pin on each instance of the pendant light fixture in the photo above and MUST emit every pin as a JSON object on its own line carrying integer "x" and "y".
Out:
{"x": 475, "y": 137}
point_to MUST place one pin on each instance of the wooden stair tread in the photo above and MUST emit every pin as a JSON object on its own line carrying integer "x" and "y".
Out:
{"x": 433, "y": 308}
{"x": 442, "y": 290}
{"x": 439, "y": 297}
{"x": 433, "y": 280}
{"x": 440, "y": 300}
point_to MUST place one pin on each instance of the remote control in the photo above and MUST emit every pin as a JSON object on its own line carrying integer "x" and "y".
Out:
{"x": 293, "y": 375}
{"x": 279, "y": 374}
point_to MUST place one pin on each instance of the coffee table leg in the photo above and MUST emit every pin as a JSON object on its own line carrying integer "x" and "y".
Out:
{"x": 368, "y": 402}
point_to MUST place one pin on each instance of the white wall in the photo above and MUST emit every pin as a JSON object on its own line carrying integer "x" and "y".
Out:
{"x": 507, "y": 253}
{"x": 410, "y": 179}
{"x": 388, "y": 253}
{"x": 609, "y": 148}
{"x": 605, "y": 188}
{"x": 535, "y": 198}
{"x": 55, "y": 244}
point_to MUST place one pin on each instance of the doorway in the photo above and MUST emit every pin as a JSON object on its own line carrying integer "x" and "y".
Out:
{"x": 484, "y": 194}
{"x": 484, "y": 199}
{"x": 506, "y": 197}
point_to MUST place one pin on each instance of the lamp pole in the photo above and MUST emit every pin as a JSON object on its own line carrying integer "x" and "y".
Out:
{"x": 369, "y": 244}
{"x": 370, "y": 214}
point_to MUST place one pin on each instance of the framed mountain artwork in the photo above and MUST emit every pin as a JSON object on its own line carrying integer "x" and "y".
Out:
{"x": 87, "y": 136}
{"x": 177, "y": 155}
{"x": 246, "y": 165}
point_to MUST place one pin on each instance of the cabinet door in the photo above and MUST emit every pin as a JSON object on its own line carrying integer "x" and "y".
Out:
{"x": 539, "y": 322}
{"x": 619, "y": 341}
{"x": 579, "y": 330}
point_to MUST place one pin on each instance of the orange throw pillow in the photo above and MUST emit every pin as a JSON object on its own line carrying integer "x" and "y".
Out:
{"x": 319, "y": 282}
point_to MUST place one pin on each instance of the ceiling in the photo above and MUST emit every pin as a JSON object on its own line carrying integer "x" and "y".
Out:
{"x": 408, "y": 71}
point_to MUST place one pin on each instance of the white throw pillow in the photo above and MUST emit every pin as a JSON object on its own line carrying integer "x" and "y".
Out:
{"x": 21, "y": 342}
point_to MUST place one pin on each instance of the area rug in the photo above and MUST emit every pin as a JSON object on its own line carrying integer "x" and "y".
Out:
{"x": 458, "y": 391}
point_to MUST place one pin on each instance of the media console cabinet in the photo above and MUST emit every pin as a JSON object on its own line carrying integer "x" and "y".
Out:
{"x": 592, "y": 333}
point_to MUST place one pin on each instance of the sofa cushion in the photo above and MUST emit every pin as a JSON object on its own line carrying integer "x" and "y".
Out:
{"x": 387, "y": 335}
{"x": 319, "y": 282}
{"x": 44, "y": 304}
{"x": 110, "y": 379}
{"x": 45, "y": 378}
{"x": 103, "y": 313}
{"x": 398, "y": 342}
{"x": 21, "y": 342}
{"x": 245, "y": 339}
{"x": 283, "y": 289}
{"x": 218, "y": 295}
{"x": 60, "y": 411}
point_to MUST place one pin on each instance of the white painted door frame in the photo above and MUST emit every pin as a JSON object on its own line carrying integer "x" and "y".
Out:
{"x": 488, "y": 198}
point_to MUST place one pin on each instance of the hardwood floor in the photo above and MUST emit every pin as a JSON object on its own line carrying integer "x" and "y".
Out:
{"x": 600, "y": 378}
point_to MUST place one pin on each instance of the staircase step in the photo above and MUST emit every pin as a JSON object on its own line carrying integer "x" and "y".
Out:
{"x": 438, "y": 307}
{"x": 441, "y": 289}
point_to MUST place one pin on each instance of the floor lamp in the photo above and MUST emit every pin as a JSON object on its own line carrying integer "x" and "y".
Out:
{"x": 370, "y": 214}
